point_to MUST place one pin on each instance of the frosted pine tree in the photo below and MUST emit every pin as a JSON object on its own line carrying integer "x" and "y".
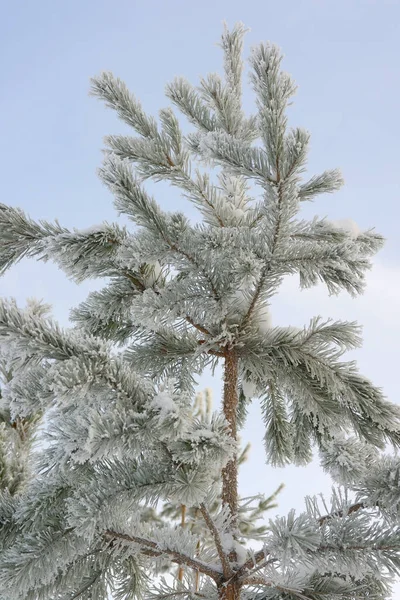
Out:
{"x": 117, "y": 388}
{"x": 16, "y": 434}
{"x": 16, "y": 437}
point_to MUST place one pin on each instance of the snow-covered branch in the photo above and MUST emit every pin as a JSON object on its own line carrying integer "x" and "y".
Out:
{"x": 151, "y": 548}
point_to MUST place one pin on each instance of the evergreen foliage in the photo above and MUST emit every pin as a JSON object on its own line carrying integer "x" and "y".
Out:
{"x": 124, "y": 448}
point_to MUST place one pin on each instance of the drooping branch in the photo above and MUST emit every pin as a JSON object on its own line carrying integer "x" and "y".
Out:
{"x": 151, "y": 548}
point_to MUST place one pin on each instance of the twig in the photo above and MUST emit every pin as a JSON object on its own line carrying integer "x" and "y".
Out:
{"x": 86, "y": 586}
{"x": 213, "y": 352}
{"x": 245, "y": 578}
{"x": 371, "y": 548}
{"x": 267, "y": 267}
{"x": 340, "y": 513}
{"x": 203, "y": 195}
{"x": 252, "y": 562}
{"x": 197, "y": 325}
{"x": 226, "y": 567}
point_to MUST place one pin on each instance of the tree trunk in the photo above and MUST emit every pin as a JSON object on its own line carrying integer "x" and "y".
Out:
{"x": 230, "y": 473}
{"x": 229, "y": 592}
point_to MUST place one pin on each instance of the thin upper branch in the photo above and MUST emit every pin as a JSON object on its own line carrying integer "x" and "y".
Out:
{"x": 267, "y": 267}
{"x": 194, "y": 262}
{"x": 197, "y": 325}
{"x": 226, "y": 567}
{"x": 138, "y": 284}
{"x": 193, "y": 184}
{"x": 203, "y": 195}
{"x": 176, "y": 248}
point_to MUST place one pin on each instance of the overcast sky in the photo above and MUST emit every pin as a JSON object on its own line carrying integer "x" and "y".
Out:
{"x": 344, "y": 55}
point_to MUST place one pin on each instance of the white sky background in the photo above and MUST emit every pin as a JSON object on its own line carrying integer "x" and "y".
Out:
{"x": 344, "y": 55}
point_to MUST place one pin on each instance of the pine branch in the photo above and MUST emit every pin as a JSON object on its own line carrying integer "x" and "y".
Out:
{"x": 267, "y": 268}
{"x": 370, "y": 547}
{"x": 118, "y": 176}
{"x": 341, "y": 513}
{"x": 198, "y": 327}
{"x": 248, "y": 578}
{"x": 232, "y": 45}
{"x": 87, "y": 586}
{"x": 196, "y": 190}
{"x": 251, "y": 563}
{"x": 81, "y": 254}
{"x": 226, "y": 568}
{"x": 278, "y": 434}
{"x": 327, "y": 182}
{"x": 151, "y": 548}
{"x": 188, "y": 100}
{"x": 238, "y": 157}
{"x": 117, "y": 96}
{"x": 285, "y": 590}
{"x": 125, "y": 149}
{"x": 186, "y": 593}
{"x": 187, "y": 318}
{"x": 21, "y": 236}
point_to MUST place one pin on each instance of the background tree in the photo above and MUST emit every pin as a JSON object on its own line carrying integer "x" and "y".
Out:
{"x": 16, "y": 437}
{"x": 121, "y": 432}
{"x": 17, "y": 434}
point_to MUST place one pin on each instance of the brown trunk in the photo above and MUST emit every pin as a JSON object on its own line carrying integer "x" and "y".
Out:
{"x": 229, "y": 592}
{"x": 230, "y": 473}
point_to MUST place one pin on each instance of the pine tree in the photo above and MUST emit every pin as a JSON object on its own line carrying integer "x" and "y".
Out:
{"x": 117, "y": 388}
{"x": 17, "y": 434}
{"x": 16, "y": 438}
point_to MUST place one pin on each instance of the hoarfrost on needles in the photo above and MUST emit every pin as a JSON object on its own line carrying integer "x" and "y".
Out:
{"x": 347, "y": 225}
{"x": 164, "y": 403}
{"x": 144, "y": 476}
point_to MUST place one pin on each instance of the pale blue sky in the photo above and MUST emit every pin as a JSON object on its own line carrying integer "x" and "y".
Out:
{"x": 344, "y": 55}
